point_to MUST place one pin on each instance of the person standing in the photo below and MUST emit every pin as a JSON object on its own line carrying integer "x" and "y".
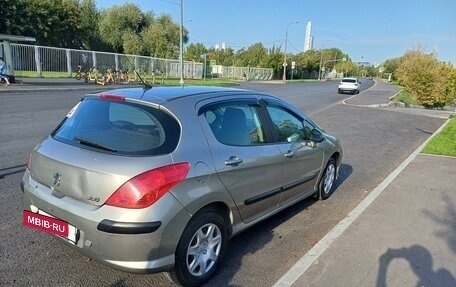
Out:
{"x": 3, "y": 74}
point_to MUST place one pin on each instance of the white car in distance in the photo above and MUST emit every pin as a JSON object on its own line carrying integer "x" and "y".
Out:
{"x": 349, "y": 85}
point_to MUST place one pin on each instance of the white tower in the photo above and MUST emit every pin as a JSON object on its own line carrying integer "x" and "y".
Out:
{"x": 308, "y": 42}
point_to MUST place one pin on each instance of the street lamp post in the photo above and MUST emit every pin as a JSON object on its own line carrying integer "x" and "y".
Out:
{"x": 321, "y": 60}
{"x": 181, "y": 44}
{"x": 284, "y": 79}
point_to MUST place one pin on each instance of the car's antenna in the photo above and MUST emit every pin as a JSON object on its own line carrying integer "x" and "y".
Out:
{"x": 145, "y": 85}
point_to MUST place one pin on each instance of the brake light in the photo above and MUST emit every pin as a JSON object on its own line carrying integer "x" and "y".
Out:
{"x": 112, "y": 98}
{"x": 146, "y": 188}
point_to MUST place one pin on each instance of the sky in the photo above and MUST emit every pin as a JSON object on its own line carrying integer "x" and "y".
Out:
{"x": 368, "y": 30}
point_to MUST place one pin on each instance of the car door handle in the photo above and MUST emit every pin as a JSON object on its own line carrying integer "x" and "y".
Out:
{"x": 289, "y": 154}
{"x": 233, "y": 160}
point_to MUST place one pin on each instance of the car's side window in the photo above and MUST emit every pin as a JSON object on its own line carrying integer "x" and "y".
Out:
{"x": 235, "y": 124}
{"x": 288, "y": 126}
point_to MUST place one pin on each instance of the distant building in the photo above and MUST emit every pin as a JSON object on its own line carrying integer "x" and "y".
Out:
{"x": 308, "y": 42}
{"x": 220, "y": 47}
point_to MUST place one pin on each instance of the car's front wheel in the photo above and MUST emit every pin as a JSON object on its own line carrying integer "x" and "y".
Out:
{"x": 327, "y": 180}
{"x": 200, "y": 248}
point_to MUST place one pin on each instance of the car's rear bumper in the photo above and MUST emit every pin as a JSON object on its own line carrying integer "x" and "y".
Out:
{"x": 348, "y": 89}
{"x": 121, "y": 241}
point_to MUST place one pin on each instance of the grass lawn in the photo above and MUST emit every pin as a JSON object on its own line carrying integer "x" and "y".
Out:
{"x": 158, "y": 80}
{"x": 444, "y": 143}
{"x": 404, "y": 97}
{"x": 190, "y": 82}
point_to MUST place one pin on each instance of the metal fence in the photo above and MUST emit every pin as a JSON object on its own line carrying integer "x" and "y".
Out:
{"x": 244, "y": 73}
{"x": 40, "y": 61}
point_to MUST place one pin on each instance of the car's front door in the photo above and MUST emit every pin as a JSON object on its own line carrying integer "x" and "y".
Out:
{"x": 302, "y": 157}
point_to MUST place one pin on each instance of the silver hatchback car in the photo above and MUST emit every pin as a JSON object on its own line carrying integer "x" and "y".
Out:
{"x": 151, "y": 180}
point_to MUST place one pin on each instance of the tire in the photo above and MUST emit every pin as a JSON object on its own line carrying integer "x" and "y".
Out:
{"x": 200, "y": 249}
{"x": 327, "y": 180}
{"x": 339, "y": 91}
{"x": 78, "y": 76}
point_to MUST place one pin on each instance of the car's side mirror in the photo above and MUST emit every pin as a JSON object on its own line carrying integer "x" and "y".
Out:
{"x": 316, "y": 136}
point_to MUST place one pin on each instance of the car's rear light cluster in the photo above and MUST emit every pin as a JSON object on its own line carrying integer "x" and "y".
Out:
{"x": 146, "y": 188}
{"x": 29, "y": 162}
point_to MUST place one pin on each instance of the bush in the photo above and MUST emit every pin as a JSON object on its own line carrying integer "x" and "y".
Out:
{"x": 430, "y": 82}
{"x": 450, "y": 84}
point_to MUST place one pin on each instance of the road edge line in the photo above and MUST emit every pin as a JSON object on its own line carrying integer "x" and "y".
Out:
{"x": 293, "y": 274}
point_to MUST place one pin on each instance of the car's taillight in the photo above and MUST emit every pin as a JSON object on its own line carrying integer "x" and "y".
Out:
{"x": 29, "y": 162}
{"x": 146, "y": 188}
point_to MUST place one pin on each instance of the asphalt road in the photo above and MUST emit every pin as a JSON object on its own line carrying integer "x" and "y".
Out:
{"x": 375, "y": 142}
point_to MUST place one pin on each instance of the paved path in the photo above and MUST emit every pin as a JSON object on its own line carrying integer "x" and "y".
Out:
{"x": 379, "y": 95}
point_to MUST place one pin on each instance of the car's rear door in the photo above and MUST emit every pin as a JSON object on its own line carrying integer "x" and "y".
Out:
{"x": 247, "y": 164}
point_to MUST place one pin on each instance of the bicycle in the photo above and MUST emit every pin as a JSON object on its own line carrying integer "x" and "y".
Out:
{"x": 81, "y": 75}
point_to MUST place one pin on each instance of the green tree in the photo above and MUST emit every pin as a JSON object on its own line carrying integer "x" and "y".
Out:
{"x": 193, "y": 52}
{"x": 162, "y": 38}
{"x": 52, "y": 23}
{"x": 224, "y": 57}
{"x": 273, "y": 59}
{"x": 15, "y": 17}
{"x": 131, "y": 43}
{"x": 253, "y": 56}
{"x": 89, "y": 22}
{"x": 120, "y": 20}
{"x": 390, "y": 66}
{"x": 309, "y": 60}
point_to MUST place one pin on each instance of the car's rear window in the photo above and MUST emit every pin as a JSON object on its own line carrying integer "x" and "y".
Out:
{"x": 349, "y": 80}
{"x": 119, "y": 127}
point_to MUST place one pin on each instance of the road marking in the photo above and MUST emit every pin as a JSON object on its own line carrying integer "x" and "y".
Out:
{"x": 293, "y": 274}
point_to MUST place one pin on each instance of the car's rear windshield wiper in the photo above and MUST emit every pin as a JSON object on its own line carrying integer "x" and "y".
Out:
{"x": 92, "y": 143}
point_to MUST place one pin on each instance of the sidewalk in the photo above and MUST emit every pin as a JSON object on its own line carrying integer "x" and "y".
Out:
{"x": 402, "y": 234}
{"x": 406, "y": 237}
{"x": 58, "y": 84}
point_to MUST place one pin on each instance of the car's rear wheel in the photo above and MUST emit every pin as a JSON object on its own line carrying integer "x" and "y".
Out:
{"x": 327, "y": 180}
{"x": 200, "y": 249}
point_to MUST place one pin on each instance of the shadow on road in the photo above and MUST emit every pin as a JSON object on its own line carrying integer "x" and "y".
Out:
{"x": 448, "y": 222}
{"x": 344, "y": 173}
{"x": 12, "y": 170}
{"x": 420, "y": 261}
